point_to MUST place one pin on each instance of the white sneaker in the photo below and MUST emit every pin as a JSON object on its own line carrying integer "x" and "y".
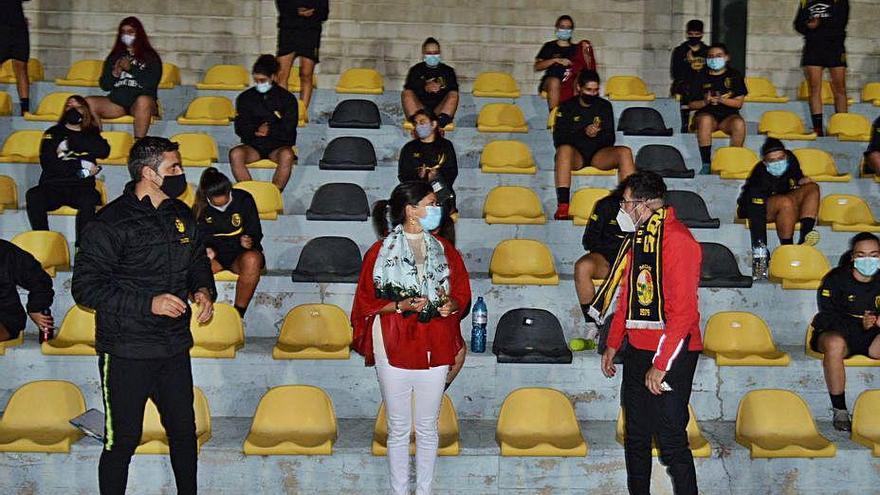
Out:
{"x": 591, "y": 331}
{"x": 841, "y": 420}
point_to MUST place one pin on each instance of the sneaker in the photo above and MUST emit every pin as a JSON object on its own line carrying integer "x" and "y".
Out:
{"x": 812, "y": 238}
{"x": 841, "y": 421}
{"x": 706, "y": 170}
{"x": 591, "y": 331}
{"x": 562, "y": 212}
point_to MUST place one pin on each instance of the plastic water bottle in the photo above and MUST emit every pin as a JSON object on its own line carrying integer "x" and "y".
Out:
{"x": 46, "y": 333}
{"x": 480, "y": 318}
{"x": 759, "y": 261}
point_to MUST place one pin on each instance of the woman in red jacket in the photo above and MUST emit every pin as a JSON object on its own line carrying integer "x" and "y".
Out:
{"x": 406, "y": 316}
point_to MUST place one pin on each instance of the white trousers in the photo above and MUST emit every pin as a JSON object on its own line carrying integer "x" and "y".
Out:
{"x": 412, "y": 397}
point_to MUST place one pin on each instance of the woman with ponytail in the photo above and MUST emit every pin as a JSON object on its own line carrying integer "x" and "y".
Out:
{"x": 412, "y": 293}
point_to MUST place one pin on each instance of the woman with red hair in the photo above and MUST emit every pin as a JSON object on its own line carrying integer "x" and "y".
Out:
{"x": 131, "y": 74}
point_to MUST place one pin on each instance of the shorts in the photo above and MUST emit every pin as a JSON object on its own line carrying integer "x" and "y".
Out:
{"x": 265, "y": 150}
{"x": 607, "y": 254}
{"x": 821, "y": 54}
{"x": 587, "y": 151}
{"x": 126, "y": 100}
{"x": 858, "y": 340}
{"x": 227, "y": 258}
{"x": 15, "y": 44}
{"x": 303, "y": 42}
{"x": 719, "y": 117}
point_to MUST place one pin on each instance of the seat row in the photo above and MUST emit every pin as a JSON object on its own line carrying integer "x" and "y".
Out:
{"x": 300, "y": 420}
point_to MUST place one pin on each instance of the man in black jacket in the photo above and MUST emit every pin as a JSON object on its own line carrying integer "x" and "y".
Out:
{"x": 266, "y": 120}
{"x": 688, "y": 61}
{"x": 138, "y": 262}
{"x": 18, "y": 268}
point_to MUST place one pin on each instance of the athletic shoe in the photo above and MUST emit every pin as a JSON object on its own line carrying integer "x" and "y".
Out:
{"x": 812, "y": 238}
{"x": 706, "y": 170}
{"x": 562, "y": 212}
{"x": 842, "y": 421}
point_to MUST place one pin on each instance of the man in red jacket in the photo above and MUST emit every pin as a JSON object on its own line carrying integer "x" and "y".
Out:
{"x": 661, "y": 321}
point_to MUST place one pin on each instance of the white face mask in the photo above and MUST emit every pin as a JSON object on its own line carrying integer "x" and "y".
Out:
{"x": 224, "y": 207}
{"x": 625, "y": 221}
{"x": 127, "y": 39}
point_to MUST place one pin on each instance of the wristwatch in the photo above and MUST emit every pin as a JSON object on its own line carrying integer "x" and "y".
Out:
{"x": 397, "y": 307}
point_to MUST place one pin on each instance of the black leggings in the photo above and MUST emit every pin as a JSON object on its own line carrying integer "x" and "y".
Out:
{"x": 44, "y": 198}
{"x": 125, "y": 385}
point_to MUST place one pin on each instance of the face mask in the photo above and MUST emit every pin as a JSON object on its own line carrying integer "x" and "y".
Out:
{"x": 694, "y": 40}
{"x": 173, "y": 185}
{"x": 777, "y": 168}
{"x": 127, "y": 39}
{"x": 716, "y": 63}
{"x": 264, "y": 87}
{"x": 625, "y": 221}
{"x": 588, "y": 99}
{"x": 224, "y": 207}
{"x": 563, "y": 34}
{"x": 73, "y": 117}
{"x": 424, "y": 130}
{"x": 432, "y": 220}
{"x": 867, "y": 266}
{"x": 432, "y": 60}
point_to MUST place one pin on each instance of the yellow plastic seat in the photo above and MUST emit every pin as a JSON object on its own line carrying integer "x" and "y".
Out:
{"x": 208, "y": 110}
{"x": 267, "y": 197}
{"x": 69, "y": 211}
{"x": 220, "y": 337}
{"x": 189, "y": 197}
{"x": 5, "y": 104}
{"x": 522, "y": 262}
{"x": 496, "y": 85}
{"x": 847, "y": 213}
{"x": 221, "y": 76}
{"x": 302, "y": 114}
{"x": 782, "y": 124}
{"x": 314, "y": 331}
{"x": 49, "y": 248}
{"x": 76, "y": 337}
{"x": 590, "y": 170}
{"x": 539, "y": 422}
{"x": 551, "y": 118}
{"x": 225, "y": 276}
{"x": 507, "y": 157}
{"x": 8, "y": 193}
{"x": 798, "y": 266}
{"x": 871, "y": 92}
{"x": 774, "y": 423}
{"x": 196, "y": 149}
{"x": 501, "y": 117}
{"x": 22, "y": 147}
{"x": 849, "y": 127}
{"x": 827, "y": 93}
{"x": 866, "y": 421}
{"x": 736, "y": 338}
{"x": 35, "y": 71}
{"x": 696, "y": 441}
{"x": 761, "y": 90}
{"x": 627, "y": 88}
{"x": 734, "y": 163}
{"x": 51, "y": 107}
{"x": 170, "y": 76}
{"x": 36, "y": 417}
{"x": 120, "y": 144}
{"x": 582, "y": 203}
{"x": 856, "y": 361}
{"x": 293, "y": 420}
{"x": 361, "y": 82}
{"x": 513, "y": 205}
{"x": 128, "y": 119}
{"x": 819, "y": 165}
{"x": 153, "y": 439}
{"x": 447, "y": 428}
{"x": 11, "y": 343}
{"x": 84, "y": 73}
{"x": 294, "y": 84}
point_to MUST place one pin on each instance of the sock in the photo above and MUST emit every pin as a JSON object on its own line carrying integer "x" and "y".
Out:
{"x": 785, "y": 242}
{"x": 585, "y": 308}
{"x": 25, "y": 104}
{"x": 563, "y": 194}
{"x": 838, "y": 401}
{"x": 240, "y": 310}
{"x": 706, "y": 154}
{"x": 685, "y": 119}
{"x": 807, "y": 225}
{"x": 817, "y": 121}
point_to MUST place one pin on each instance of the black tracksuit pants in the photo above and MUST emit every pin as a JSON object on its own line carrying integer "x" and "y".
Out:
{"x": 44, "y": 198}
{"x": 663, "y": 416}
{"x": 125, "y": 385}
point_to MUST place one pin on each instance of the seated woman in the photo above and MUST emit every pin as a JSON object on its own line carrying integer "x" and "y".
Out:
{"x": 131, "y": 74}
{"x": 584, "y": 136}
{"x": 68, "y": 153}
{"x": 872, "y": 154}
{"x": 430, "y": 157}
{"x": 562, "y": 61}
{"x": 777, "y": 191}
{"x": 230, "y": 224}
{"x": 431, "y": 85}
{"x": 266, "y": 120}
{"x": 18, "y": 268}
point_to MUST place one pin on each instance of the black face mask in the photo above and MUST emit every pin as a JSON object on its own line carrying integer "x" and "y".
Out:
{"x": 588, "y": 99}
{"x": 73, "y": 117}
{"x": 694, "y": 40}
{"x": 173, "y": 185}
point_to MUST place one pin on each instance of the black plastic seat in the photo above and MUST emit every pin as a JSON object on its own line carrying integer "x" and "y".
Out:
{"x": 340, "y": 201}
{"x": 642, "y": 121}
{"x": 691, "y": 210}
{"x": 328, "y": 259}
{"x": 356, "y": 114}
{"x": 720, "y": 269}
{"x": 664, "y": 160}
{"x": 348, "y": 153}
{"x": 529, "y": 335}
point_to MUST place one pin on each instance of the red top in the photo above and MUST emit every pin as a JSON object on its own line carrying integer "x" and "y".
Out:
{"x": 407, "y": 341}
{"x": 682, "y": 257}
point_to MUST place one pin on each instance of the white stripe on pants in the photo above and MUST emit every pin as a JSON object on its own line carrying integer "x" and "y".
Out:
{"x": 412, "y": 397}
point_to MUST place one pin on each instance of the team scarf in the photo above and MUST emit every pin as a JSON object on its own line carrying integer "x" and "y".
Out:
{"x": 396, "y": 277}
{"x": 645, "y": 303}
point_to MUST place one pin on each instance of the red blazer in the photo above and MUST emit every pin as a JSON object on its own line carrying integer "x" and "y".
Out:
{"x": 584, "y": 58}
{"x": 407, "y": 341}
{"x": 682, "y": 257}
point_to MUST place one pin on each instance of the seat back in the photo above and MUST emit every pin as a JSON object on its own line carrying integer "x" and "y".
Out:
{"x": 719, "y": 267}
{"x": 691, "y": 209}
{"x": 196, "y": 148}
{"x": 799, "y": 263}
{"x": 49, "y": 248}
{"x": 227, "y": 75}
{"x": 43, "y": 404}
{"x": 120, "y": 145}
{"x": 529, "y": 335}
{"x": 447, "y": 425}
{"x": 22, "y": 146}
{"x": 642, "y": 121}
{"x": 849, "y": 125}
{"x": 496, "y": 84}
{"x": 505, "y": 117}
{"x": 815, "y": 162}
{"x": 731, "y": 159}
{"x": 266, "y": 195}
{"x": 583, "y": 202}
{"x": 223, "y": 329}
{"x": 328, "y": 259}
{"x": 761, "y": 87}
{"x": 210, "y": 107}
{"x": 624, "y": 86}
{"x": 78, "y": 326}
{"x": 5, "y": 104}
{"x": 85, "y": 72}
{"x": 781, "y": 122}
{"x": 361, "y": 81}
{"x": 348, "y": 153}
{"x": 294, "y": 83}
{"x": 170, "y": 76}
{"x": 827, "y": 93}
{"x": 731, "y": 331}
{"x": 871, "y": 92}
{"x": 153, "y": 429}
{"x": 664, "y": 160}
{"x": 321, "y": 326}
{"x": 8, "y": 193}
{"x": 513, "y": 205}
{"x": 845, "y": 209}
{"x": 536, "y": 409}
{"x": 306, "y": 408}
{"x": 522, "y": 257}
{"x": 866, "y": 416}
{"x": 356, "y": 114}
{"x": 34, "y": 67}
{"x": 506, "y": 154}
{"x": 774, "y": 413}
{"x": 339, "y": 201}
